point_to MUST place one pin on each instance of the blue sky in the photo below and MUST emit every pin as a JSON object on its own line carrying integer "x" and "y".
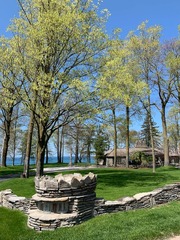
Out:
{"x": 8, "y": 10}
{"x": 128, "y": 14}
{"x": 125, "y": 14}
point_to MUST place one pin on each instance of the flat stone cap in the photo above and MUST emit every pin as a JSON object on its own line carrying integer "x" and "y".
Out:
{"x": 49, "y": 216}
{"x": 14, "y": 199}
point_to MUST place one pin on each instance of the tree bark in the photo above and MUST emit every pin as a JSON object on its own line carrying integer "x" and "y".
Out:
{"x": 7, "y": 127}
{"x": 127, "y": 136}
{"x": 151, "y": 133}
{"x": 28, "y": 146}
{"x": 40, "y": 159}
{"x": 41, "y": 146}
{"x": 76, "y": 159}
{"x": 89, "y": 150}
{"x": 165, "y": 137}
{"x": 60, "y": 145}
{"x": 47, "y": 154}
{"x": 115, "y": 136}
{"x": 5, "y": 149}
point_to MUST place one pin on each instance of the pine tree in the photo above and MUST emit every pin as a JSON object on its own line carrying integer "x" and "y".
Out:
{"x": 100, "y": 145}
{"x": 145, "y": 132}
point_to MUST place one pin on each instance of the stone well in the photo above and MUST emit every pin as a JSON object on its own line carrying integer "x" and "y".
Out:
{"x": 62, "y": 201}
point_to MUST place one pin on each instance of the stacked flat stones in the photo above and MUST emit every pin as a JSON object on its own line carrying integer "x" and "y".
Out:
{"x": 159, "y": 196}
{"x": 9, "y": 200}
{"x": 62, "y": 201}
{"x": 67, "y": 200}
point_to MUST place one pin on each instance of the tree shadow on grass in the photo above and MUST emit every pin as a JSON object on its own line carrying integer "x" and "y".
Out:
{"x": 137, "y": 177}
{"x": 115, "y": 177}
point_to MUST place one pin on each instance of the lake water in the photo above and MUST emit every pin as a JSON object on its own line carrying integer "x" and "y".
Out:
{"x": 66, "y": 159}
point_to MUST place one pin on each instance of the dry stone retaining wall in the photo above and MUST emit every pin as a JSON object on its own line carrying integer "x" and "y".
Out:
{"x": 65, "y": 201}
{"x": 141, "y": 200}
{"x": 12, "y": 201}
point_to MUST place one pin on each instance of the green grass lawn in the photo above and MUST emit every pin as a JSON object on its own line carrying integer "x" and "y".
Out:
{"x": 10, "y": 170}
{"x": 112, "y": 184}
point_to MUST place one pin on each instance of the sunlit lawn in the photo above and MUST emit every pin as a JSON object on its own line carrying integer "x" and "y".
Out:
{"x": 112, "y": 184}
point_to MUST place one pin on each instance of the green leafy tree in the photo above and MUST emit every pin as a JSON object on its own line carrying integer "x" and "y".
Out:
{"x": 119, "y": 80}
{"x": 174, "y": 129}
{"x": 9, "y": 75}
{"x": 58, "y": 46}
{"x": 146, "y": 46}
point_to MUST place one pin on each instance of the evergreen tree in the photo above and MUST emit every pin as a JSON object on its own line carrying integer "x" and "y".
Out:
{"x": 101, "y": 144}
{"x": 145, "y": 132}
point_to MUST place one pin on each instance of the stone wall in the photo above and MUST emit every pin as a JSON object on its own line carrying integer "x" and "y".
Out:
{"x": 12, "y": 201}
{"x": 62, "y": 201}
{"x": 65, "y": 201}
{"x": 141, "y": 200}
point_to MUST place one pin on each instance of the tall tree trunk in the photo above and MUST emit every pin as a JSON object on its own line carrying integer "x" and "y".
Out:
{"x": 14, "y": 146}
{"x": 7, "y": 127}
{"x": 70, "y": 159}
{"x": 178, "y": 127}
{"x": 178, "y": 118}
{"x": 47, "y": 154}
{"x": 115, "y": 136}
{"x": 152, "y": 141}
{"x": 5, "y": 149}
{"x": 165, "y": 137}
{"x": 62, "y": 149}
{"x": 151, "y": 134}
{"x": 28, "y": 146}
{"x": 15, "y": 135}
{"x": 60, "y": 145}
{"x": 127, "y": 136}
{"x": 40, "y": 156}
{"x": 41, "y": 147}
{"x": 76, "y": 157}
{"x": 89, "y": 150}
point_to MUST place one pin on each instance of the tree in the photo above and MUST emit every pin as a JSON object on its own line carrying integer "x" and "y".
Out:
{"x": 146, "y": 135}
{"x": 101, "y": 144}
{"x": 119, "y": 80}
{"x": 172, "y": 60}
{"x": 9, "y": 73}
{"x": 79, "y": 134}
{"x": 15, "y": 134}
{"x": 58, "y": 46}
{"x": 90, "y": 129}
{"x": 173, "y": 64}
{"x": 174, "y": 129}
{"x": 111, "y": 119}
{"x": 59, "y": 140}
{"x": 164, "y": 84}
{"x": 28, "y": 149}
{"x": 133, "y": 136}
{"x": 145, "y": 46}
